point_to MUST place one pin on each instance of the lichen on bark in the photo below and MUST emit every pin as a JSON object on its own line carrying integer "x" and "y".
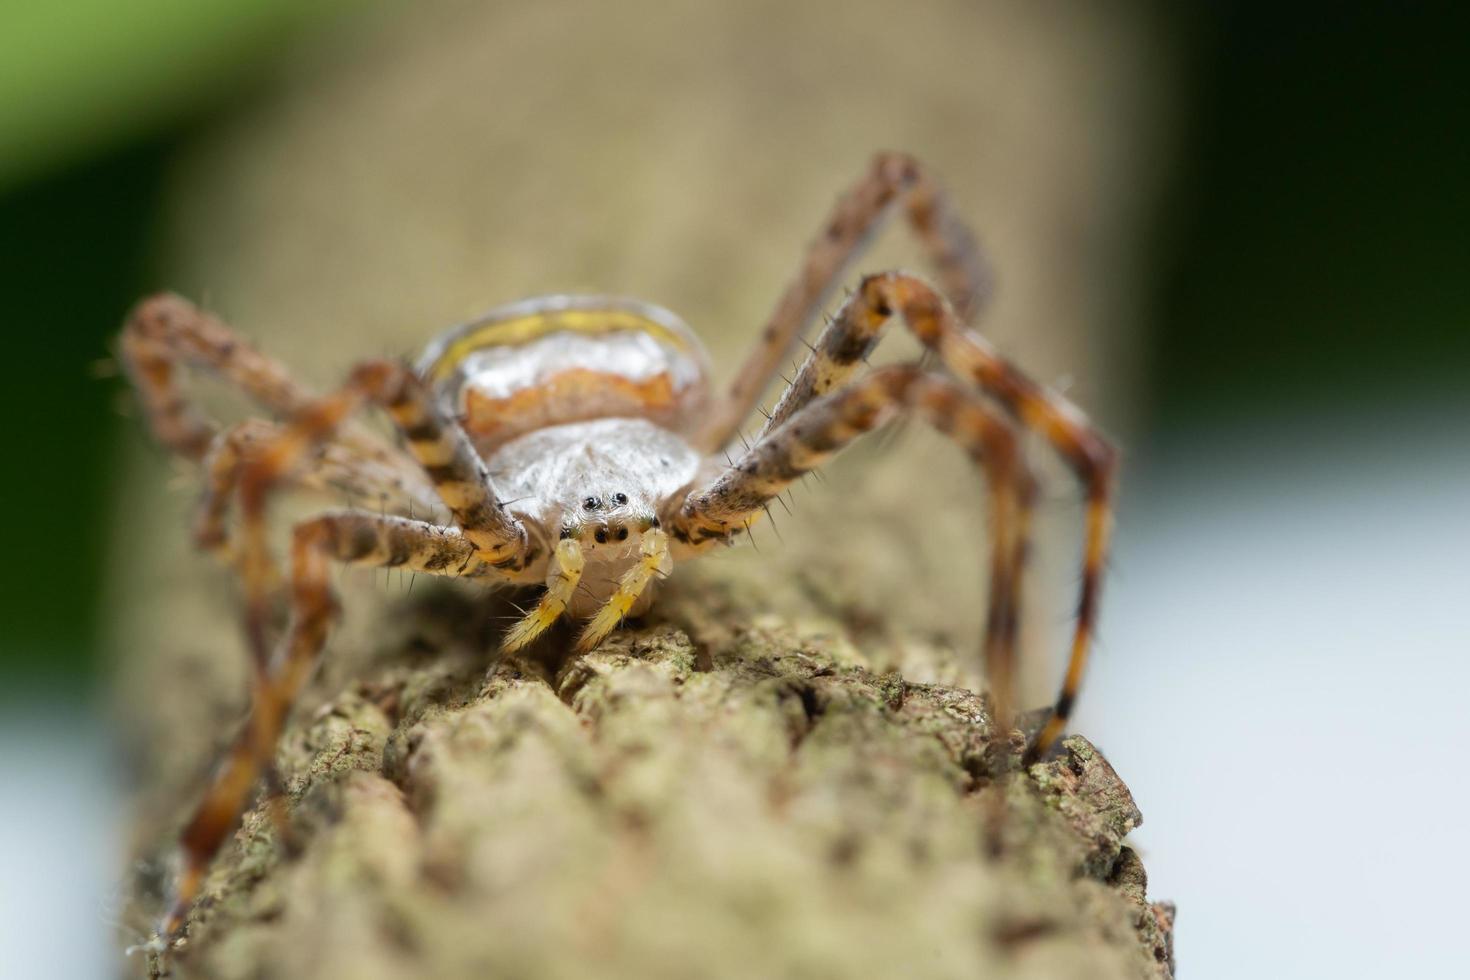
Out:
{"x": 691, "y": 799}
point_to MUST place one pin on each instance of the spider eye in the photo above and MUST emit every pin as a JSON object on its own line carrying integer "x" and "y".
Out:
{"x": 601, "y": 536}
{"x": 591, "y": 503}
{"x": 623, "y": 534}
{"x": 620, "y": 499}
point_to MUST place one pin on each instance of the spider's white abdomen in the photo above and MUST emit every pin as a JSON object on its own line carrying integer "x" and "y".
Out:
{"x": 558, "y": 359}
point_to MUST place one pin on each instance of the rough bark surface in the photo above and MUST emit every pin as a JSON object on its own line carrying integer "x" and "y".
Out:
{"x": 689, "y": 800}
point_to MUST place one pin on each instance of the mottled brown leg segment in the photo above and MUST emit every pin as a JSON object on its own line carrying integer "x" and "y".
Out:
{"x": 332, "y": 468}
{"x": 838, "y": 354}
{"x": 166, "y": 334}
{"x": 1003, "y": 639}
{"x": 350, "y": 537}
{"x": 437, "y": 443}
{"x": 894, "y": 179}
{"x": 440, "y": 446}
{"x": 821, "y": 428}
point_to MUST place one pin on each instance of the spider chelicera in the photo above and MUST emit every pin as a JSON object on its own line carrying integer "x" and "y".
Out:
{"x": 573, "y": 442}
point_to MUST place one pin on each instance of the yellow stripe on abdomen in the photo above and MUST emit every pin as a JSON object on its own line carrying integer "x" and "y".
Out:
{"x": 524, "y": 329}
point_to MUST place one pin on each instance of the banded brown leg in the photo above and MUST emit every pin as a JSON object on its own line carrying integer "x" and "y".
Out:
{"x": 349, "y": 537}
{"x": 165, "y": 335}
{"x": 839, "y": 352}
{"x": 331, "y": 468}
{"x": 436, "y": 442}
{"x": 485, "y": 536}
{"x": 821, "y": 428}
{"x": 893, "y": 179}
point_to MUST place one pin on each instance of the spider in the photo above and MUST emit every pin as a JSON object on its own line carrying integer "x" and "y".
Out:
{"x": 573, "y": 442}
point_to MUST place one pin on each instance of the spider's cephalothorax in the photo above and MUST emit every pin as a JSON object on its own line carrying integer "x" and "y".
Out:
{"x": 574, "y": 443}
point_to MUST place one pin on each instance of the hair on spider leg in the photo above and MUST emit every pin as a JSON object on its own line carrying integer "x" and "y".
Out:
{"x": 751, "y": 537}
{"x": 889, "y": 435}
{"x": 504, "y": 618}
{"x": 771, "y": 523}
{"x": 583, "y": 588}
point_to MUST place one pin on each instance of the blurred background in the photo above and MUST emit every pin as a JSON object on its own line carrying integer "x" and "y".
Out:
{"x": 1237, "y": 236}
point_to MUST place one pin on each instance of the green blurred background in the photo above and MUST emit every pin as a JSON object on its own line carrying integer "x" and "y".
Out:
{"x": 93, "y": 108}
{"x": 1304, "y": 294}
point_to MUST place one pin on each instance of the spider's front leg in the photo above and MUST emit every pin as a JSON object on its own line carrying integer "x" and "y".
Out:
{"x": 349, "y": 537}
{"x": 848, "y": 339}
{"x": 823, "y": 427}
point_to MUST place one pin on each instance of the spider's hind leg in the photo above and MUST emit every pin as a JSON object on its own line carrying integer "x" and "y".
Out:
{"x": 893, "y": 180}
{"x": 165, "y": 335}
{"x": 331, "y": 468}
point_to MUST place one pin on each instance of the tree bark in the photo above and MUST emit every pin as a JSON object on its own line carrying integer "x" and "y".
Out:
{"x": 692, "y": 799}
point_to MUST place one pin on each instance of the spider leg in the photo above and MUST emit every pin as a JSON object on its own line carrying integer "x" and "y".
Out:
{"x": 893, "y": 179}
{"x": 349, "y": 537}
{"x": 333, "y": 467}
{"x": 824, "y": 426}
{"x": 435, "y": 441}
{"x": 849, "y": 338}
{"x": 563, "y": 576}
{"x": 653, "y": 562}
{"x": 165, "y": 334}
